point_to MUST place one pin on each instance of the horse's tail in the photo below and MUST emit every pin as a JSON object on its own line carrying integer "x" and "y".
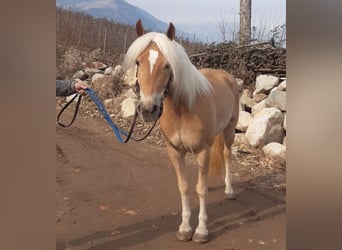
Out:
{"x": 216, "y": 156}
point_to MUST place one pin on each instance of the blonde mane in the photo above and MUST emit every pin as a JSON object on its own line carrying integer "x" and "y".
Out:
{"x": 187, "y": 82}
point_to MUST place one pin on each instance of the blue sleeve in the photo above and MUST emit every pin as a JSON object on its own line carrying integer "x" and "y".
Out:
{"x": 64, "y": 87}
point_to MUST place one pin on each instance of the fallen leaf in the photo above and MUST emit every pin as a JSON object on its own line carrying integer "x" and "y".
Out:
{"x": 131, "y": 212}
{"x": 104, "y": 207}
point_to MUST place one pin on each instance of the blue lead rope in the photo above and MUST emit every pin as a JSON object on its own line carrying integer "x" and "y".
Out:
{"x": 118, "y": 131}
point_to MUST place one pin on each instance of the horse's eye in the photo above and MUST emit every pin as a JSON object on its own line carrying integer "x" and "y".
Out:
{"x": 167, "y": 66}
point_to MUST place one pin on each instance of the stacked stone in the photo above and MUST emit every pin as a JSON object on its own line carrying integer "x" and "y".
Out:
{"x": 262, "y": 117}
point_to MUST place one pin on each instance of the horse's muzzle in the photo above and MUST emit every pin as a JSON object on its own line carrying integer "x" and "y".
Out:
{"x": 148, "y": 114}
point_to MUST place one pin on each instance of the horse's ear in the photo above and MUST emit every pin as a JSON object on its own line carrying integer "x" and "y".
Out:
{"x": 139, "y": 28}
{"x": 171, "y": 32}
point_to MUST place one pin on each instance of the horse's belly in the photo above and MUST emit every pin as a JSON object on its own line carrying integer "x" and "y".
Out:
{"x": 224, "y": 113}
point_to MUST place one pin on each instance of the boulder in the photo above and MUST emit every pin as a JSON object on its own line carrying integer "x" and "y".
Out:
{"x": 108, "y": 102}
{"x": 245, "y": 119}
{"x": 80, "y": 75}
{"x": 94, "y": 65}
{"x": 259, "y": 97}
{"x": 258, "y": 107}
{"x": 275, "y": 151}
{"x": 90, "y": 71}
{"x": 108, "y": 71}
{"x": 264, "y": 84}
{"x": 277, "y": 99}
{"x": 128, "y": 107}
{"x": 246, "y": 103}
{"x": 69, "y": 97}
{"x": 117, "y": 71}
{"x": 240, "y": 84}
{"x": 96, "y": 77}
{"x": 130, "y": 76}
{"x": 282, "y": 86}
{"x": 265, "y": 127}
{"x": 131, "y": 93}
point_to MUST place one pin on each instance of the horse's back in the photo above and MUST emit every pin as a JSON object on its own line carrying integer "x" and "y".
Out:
{"x": 221, "y": 77}
{"x": 225, "y": 95}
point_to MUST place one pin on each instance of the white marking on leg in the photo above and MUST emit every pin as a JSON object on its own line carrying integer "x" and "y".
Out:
{"x": 228, "y": 163}
{"x": 229, "y": 188}
{"x": 186, "y": 213}
{"x": 202, "y": 217}
{"x": 153, "y": 58}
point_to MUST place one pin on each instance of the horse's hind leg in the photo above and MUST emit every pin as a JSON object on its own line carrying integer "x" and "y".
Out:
{"x": 201, "y": 234}
{"x": 229, "y": 134}
{"x": 177, "y": 158}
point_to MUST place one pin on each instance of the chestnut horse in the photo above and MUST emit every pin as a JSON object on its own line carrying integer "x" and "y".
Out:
{"x": 199, "y": 110}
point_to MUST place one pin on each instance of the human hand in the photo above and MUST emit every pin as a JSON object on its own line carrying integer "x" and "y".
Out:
{"x": 80, "y": 87}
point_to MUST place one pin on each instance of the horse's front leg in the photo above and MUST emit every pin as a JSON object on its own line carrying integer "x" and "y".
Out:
{"x": 201, "y": 234}
{"x": 177, "y": 158}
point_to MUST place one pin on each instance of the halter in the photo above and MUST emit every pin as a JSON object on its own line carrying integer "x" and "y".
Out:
{"x": 166, "y": 92}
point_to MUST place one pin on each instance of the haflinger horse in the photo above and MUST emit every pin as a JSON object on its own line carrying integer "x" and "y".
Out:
{"x": 198, "y": 112}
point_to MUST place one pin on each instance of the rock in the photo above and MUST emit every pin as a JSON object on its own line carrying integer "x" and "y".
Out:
{"x": 94, "y": 65}
{"x": 245, "y": 119}
{"x": 108, "y": 71}
{"x": 284, "y": 123}
{"x": 264, "y": 84}
{"x": 277, "y": 99}
{"x": 259, "y": 97}
{"x": 128, "y": 107}
{"x": 68, "y": 98}
{"x": 96, "y": 77}
{"x": 108, "y": 102}
{"x": 275, "y": 151}
{"x": 130, "y": 76}
{"x": 80, "y": 75}
{"x": 258, "y": 107}
{"x": 90, "y": 71}
{"x": 240, "y": 84}
{"x": 246, "y": 103}
{"x": 245, "y": 92}
{"x": 130, "y": 93}
{"x": 265, "y": 127}
{"x": 284, "y": 141}
{"x": 117, "y": 71}
{"x": 282, "y": 86}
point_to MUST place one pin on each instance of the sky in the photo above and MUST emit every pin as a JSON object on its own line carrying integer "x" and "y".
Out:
{"x": 203, "y": 17}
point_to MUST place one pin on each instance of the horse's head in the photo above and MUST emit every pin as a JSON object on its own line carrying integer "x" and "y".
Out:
{"x": 153, "y": 77}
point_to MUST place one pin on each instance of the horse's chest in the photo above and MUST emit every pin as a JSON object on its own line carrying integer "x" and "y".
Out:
{"x": 186, "y": 139}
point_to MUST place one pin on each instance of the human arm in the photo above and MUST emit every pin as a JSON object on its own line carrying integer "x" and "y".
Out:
{"x": 68, "y": 87}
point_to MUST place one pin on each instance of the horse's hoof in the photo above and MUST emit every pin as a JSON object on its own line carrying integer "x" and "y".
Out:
{"x": 200, "y": 238}
{"x": 231, "y": 196}
{"x": 184, "y": 236}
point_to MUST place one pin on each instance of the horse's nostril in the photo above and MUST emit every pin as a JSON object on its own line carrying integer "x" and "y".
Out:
{"x": 154, "y": 109}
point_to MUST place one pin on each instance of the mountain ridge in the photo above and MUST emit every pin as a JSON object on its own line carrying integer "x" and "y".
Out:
{"x": 118, "y": 11}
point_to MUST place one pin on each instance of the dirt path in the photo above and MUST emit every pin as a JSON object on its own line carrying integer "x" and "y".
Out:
{"x": 114, "y": 196}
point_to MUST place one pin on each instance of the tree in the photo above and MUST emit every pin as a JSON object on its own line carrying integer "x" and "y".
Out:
{"x": 245, "y": 21}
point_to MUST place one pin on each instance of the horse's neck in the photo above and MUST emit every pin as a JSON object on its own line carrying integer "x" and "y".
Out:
{"x": 172, "y": 114}
{"x": 172, "y": 110}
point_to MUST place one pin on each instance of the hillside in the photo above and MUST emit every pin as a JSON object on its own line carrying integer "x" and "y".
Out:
{"x": 81, "y": 37}
{"x": 115, "y": 10}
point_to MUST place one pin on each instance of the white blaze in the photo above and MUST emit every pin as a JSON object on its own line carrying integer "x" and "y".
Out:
{"x": 152, "y": 58}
